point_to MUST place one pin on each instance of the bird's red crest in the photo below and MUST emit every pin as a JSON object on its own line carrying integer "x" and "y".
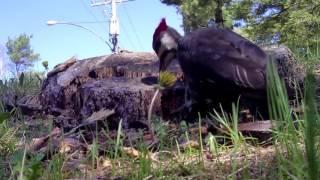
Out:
{"x": 161, "y": 27}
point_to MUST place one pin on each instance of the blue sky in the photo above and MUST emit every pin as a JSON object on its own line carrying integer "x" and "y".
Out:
{"x": 138, "y": 20}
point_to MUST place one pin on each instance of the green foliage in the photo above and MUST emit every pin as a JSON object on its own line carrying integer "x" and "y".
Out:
{"x": 172, "y": 2}
{"x": 35, "y": 168}
{"x": 294, "y": 23}
{"x": 4, "y": 116}
{"x": 288, "y": 22}
{"x": 20, "y": 52}
{"x": 198, "y": 13}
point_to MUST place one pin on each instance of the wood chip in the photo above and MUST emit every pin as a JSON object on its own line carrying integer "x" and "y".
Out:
{"x": 257, "y": 126}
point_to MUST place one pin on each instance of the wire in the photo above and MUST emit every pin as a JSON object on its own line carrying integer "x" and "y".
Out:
{"x": 127, "y": 34}
{"x": 89, "y": 22}
{"x": 133, "y": 27}
{"x": 91, "y": 13}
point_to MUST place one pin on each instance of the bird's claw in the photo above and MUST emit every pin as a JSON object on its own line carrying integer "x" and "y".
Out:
{"x": 187, "y": 105}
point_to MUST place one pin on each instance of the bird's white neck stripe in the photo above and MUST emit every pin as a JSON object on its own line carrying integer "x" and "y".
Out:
{"x": 168, "y": 41}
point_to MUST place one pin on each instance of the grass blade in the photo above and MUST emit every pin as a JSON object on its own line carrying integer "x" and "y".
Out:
{"x": 311, "y": 117}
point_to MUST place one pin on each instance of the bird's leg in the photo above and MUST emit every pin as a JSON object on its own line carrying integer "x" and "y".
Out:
{"x": 188, "y": 102}
{"x": 245, "y": 115}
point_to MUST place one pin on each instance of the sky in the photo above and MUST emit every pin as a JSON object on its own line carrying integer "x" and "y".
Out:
{"x": 57, "y": 43}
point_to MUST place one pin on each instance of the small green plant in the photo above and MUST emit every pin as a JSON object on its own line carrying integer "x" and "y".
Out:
{"x": 161, "y": 132}
{"x": 229, "y": 127}
{"x": 54, "y": 168}
{"x": 35, "y": 167}
{"x": 118, "y": 144}
{"x": 94, "y": 153}
{"x": 166, "y": 79}
{"x": 8, "y": 140}
{"x": 145, "y": 164}
{"x": 4, "y": 116}
{"x": 45, "y": 65}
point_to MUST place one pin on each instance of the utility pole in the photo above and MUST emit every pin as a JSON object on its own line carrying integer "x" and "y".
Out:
{"x": 114, "y": 29}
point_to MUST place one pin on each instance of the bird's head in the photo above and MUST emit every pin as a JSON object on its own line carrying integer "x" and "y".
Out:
{"x": 165, "y": 44}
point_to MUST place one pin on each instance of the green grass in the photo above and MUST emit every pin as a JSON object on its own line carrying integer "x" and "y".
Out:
{"x": 28, "y": 83}
{"x": 311, "y": 131}
{"x": 296, "y": 139}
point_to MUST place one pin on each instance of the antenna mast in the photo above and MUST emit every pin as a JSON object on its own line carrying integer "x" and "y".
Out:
{"x": 114, "y": 29}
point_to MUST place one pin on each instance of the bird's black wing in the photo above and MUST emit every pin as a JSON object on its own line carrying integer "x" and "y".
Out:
{"x": 222, "y": 55}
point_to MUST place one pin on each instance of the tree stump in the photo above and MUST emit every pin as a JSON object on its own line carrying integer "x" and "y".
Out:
{"x": 122, "y": 82}
{"x": 130, "y": 98}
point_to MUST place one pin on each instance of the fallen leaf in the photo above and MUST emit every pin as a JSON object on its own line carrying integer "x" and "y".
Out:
{"x": 204, "y": 130}
{"x": 131, "y": 152}
{"x": 106, "y": 163}
{"x": 68, "y": 144}
{"x": 190, "y": 144}
{"x": 38, "y": 143}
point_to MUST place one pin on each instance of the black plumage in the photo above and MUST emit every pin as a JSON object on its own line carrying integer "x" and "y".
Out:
{"x": 220, "y": 66}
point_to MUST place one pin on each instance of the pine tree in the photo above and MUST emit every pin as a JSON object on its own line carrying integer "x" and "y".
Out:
{"x": 21, "y": 53}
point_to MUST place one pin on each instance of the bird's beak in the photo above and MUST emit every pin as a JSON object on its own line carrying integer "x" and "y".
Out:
{"x": 165, "y": 62}
{"x": 163, "y": 66}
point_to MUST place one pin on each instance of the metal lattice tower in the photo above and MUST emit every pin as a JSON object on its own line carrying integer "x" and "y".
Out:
{"x": 114, "y": 29}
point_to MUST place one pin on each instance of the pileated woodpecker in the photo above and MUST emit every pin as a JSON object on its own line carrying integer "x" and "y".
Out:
{"x": 219, "y": 65}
